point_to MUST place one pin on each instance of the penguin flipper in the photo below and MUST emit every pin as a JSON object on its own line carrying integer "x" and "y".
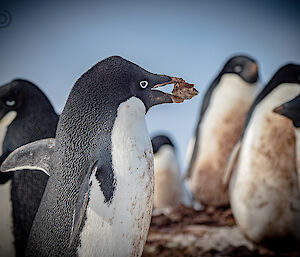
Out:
{"x": 81, "y": 204}
{"x": 231, "y": 163}
{"x": 33, "y": 156}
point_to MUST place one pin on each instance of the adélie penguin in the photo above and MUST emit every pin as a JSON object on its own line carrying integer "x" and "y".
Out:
{"x": 262, "y": 169}
{"x": 291, "y": 110}
{"x": 26, "y": 115}
{"x": 168, "y": 184}
{"x": 98, "y": 200}
{"x": 220, "y": 123}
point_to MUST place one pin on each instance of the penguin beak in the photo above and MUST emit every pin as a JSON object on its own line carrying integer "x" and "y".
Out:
{"x": 286, "y": 110}
{"x": 279, "y": 109}
{"x": 181, "y": 91}
{"x": 254, "y": 71}
{"x": 255, "y": 68}
{"x": 291, "y": 110}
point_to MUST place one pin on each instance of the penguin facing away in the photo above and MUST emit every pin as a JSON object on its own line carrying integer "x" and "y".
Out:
{"x": 223, "y": 111}
{"x": 168, "y": 184}
{"x": 98, "y": 200}
{"x": 264, "y": 190}
{"x": 26, "y": 115}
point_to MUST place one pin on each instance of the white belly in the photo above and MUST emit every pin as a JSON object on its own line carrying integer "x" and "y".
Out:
{"x": 264, "y": 184}
{"x": 219, "y": 131}
{"x": 121, "y": 228}
{"x": 168, "y": 185}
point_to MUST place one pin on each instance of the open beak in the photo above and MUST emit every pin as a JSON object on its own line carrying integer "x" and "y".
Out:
{"x": 181, "y": 91}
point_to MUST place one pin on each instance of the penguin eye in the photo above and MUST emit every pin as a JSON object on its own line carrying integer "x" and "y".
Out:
{"x": 144, "y": 83}
{"x": 10, "y": 103}
{"x": 237, "y": 68}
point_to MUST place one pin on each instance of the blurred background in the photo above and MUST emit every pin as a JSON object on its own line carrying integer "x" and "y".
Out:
{"x": 52, "y": 43}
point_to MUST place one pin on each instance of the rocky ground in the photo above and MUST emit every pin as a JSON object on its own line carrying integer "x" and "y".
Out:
{"x": 211, "y": 232}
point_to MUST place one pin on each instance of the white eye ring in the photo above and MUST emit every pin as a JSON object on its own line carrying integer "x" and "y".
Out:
{"x": 10, "y": 102}
{"x": 144, "y": 83}
{"x": 237, "y": 68}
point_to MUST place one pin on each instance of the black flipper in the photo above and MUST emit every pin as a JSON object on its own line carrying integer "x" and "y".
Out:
{"x": 81, "y": 204}
{"x": 231, "y": 163}
{"x": 33, "y": 156}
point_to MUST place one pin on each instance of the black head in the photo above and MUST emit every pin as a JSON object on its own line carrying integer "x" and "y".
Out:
{"x": 291, "y": 110}
{"x": 243, "y": 66}
{"x": 35, "y": 116}
{"x": 92, "y": 107}
{"x": 159, "y": 141}
{"x": 126, "y": 79}
{"x": 20, "y": 95}
{"x": 289, "y": 73}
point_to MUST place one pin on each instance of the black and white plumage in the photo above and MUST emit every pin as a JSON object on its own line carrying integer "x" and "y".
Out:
{"x": 291, "y": 110}
{"x": 223, "y": 111}
{"x": 168, "y": 184}
{"x": 264, "y": 185}
{"x": 26, "y": 115}
{"x": 99, "y": 197}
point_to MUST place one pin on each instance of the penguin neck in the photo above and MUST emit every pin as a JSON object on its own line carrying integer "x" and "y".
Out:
{"x": 232, "y": 78}
{"x": 263, "y": 113}
{"x": 130, "y": 142}
{"x": 124, "y": 223}
{"x": 270, "y": 136}
{"x": 279, "y": 95}
{"x": 165, "y": 159}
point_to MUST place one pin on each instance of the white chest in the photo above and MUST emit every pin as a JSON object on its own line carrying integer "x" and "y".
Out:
{"x": 168, "y": 186}
{"x": 269, "y": 135}
{"x": 264, "y": 182}
{"x": 121, "y": 228}
{"x": 224, "y": 117}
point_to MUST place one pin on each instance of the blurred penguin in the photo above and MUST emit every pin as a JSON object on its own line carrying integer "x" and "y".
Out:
{"x": 262, "y": 169}
{"x": 26, "y": 115}
{"x": 223, "y": 111}
{"x": 168, "y": 184}
{"x": 291, "y": 110}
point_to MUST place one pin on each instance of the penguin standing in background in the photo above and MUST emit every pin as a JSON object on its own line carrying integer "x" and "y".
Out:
{"x": 168, "y": 184}
{"x": 264, "y": 187}
{"x": 223, "y": 111}
{"x": 99, "y": 197}
{"x": 26, "y": 115}
{"x": 291, "y": 110}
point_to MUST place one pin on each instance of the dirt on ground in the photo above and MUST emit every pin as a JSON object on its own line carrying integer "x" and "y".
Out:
{"x": 210, "y": 232}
